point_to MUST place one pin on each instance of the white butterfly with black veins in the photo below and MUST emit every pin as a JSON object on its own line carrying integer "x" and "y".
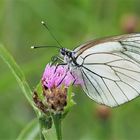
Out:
{"x": 109, "y": 68}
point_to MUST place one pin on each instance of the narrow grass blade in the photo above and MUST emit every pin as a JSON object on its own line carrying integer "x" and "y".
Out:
{"x": 9, "y": 60}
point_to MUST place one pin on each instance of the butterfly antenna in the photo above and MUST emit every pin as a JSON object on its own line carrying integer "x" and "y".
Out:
{"x": 45, "y": 25}
{"x": 35, "y": 47}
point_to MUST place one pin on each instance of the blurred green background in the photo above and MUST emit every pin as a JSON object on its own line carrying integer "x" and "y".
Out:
{"x": 73, "y": 22}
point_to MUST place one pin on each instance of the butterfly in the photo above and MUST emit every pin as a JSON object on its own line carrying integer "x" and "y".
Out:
{"x": 108, "y": 67}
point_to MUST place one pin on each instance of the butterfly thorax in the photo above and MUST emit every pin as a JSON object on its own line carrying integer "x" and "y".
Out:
{"x": 69, "y": 56}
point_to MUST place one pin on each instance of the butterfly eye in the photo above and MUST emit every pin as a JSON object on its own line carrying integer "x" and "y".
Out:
{"x": 63, "y": 51}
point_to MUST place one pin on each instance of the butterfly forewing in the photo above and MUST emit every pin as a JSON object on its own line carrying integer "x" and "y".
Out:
{"x": 111, "y": 69}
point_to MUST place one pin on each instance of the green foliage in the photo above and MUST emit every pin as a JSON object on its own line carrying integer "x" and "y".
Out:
{"x": 73, "y": 22}
{"x": 17, "y": 73}
{"x": 30, "y": 132}
{"x": 50, "y": 134}
{"x": 70, "y": 101}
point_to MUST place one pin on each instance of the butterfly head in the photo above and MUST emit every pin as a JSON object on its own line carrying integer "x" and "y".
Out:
{"x": 65, "y": 52}
{"x": 68, "y": 55}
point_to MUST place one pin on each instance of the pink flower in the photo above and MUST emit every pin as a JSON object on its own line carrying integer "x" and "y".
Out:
{"x": 55, "y": 76}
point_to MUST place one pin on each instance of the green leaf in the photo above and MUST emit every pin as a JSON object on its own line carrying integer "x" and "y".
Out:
{"x": 30, "y": 132}
{"x": 47, "y": 128}
{"x": 39, "y": 91}
{"x": 9, "y": 60}
{"x": 70, "y": 101}
{"x": 50, "y": 134}
{"x": 45, "y": 121}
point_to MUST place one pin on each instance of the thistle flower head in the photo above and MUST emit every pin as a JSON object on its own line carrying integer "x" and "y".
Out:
{"x": 55, "y": 76}
{"x": 55, "y": 82}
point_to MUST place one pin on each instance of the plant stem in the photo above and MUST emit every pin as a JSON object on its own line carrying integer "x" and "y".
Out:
{"x": 57, "y": 124}
{"x": 41, "y": 128}
{"x": 41, "y": 135}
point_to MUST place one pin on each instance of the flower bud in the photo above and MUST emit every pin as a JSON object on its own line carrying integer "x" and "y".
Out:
{"x": 129, "y": 23}
{"x": 103, "y": 112}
